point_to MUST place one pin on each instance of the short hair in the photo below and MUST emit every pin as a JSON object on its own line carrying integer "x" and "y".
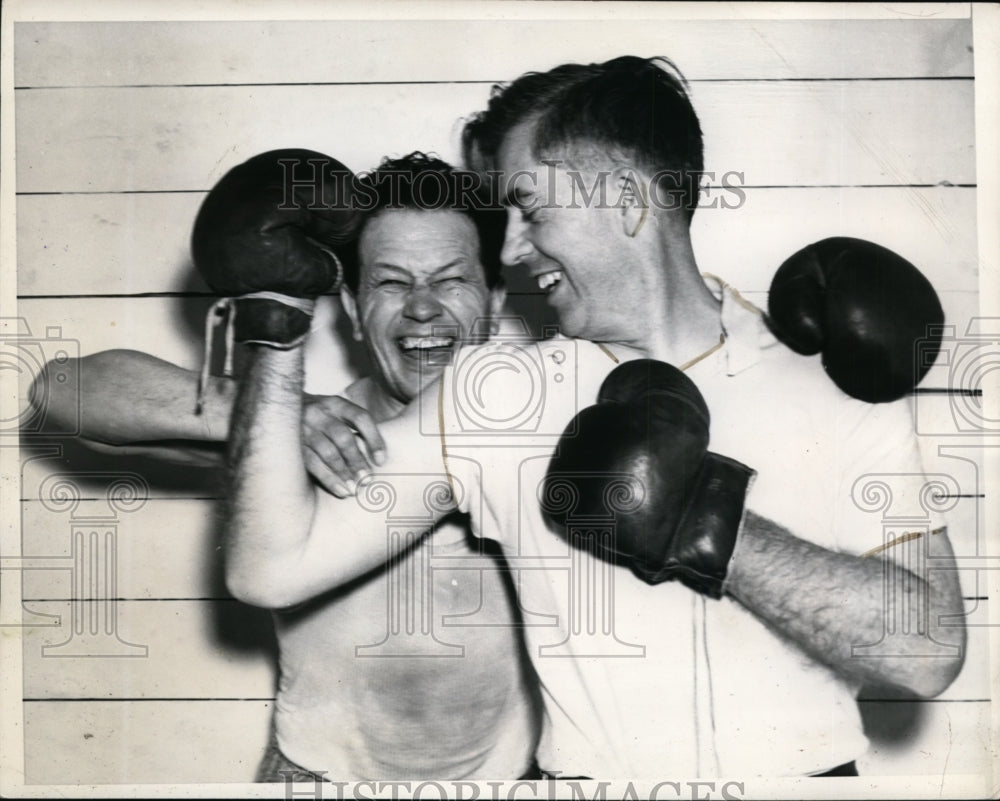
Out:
{"x": 630, "y": 108}
{"x": 424, "y": 182}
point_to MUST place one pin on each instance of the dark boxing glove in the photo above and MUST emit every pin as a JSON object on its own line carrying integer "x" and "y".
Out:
{"x": 864, "y": 307}
{"x": 640, "y": 457}
{"x": 265, "y": 239}
{"x": 266, "y": 236}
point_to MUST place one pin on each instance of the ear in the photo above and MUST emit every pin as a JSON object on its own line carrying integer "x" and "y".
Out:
{"x": 350, "y": 306}
{"x": 633, "y": 199}
{"x": 498, "y": 296}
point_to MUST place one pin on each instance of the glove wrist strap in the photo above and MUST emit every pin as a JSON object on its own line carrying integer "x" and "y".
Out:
{"x": 304, "y": 305}
{"x": 285, "y": 331}
{"x": 710, "y": 530}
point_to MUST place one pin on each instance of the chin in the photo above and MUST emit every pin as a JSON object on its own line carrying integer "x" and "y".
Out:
{"x": 571, "y": 327}
{"x": 429, "y": 376}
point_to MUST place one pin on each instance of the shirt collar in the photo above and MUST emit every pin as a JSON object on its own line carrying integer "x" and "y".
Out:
{"x": 744, "y": 325}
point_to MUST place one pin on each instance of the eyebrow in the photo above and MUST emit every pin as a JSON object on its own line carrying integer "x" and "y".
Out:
{"x": 453, "y": 263}
{"x": 381, "y": 265}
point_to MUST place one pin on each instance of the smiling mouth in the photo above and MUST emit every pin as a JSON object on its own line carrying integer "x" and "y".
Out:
{"x": 425, "y": 343}
{"x": 433, "y": 351}
{"x": 548, "y": 280}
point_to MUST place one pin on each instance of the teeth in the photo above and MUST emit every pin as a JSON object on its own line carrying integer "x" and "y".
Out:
{"x": 546, "y": 280}
{"x": 424, "y": 343}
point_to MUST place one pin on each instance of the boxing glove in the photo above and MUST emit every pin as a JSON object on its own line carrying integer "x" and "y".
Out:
{"x": 864, "y": 307}
{"x": 266, "y": 237}
{"x": 639, "y": 457}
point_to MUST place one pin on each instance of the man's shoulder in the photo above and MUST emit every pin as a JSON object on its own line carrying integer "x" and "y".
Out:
{"x": 789, "y": 398}
{"x": 519, "y": 388}
{"x": 545, "y": 365}
{"x": 534, "y": 347}
{"x": 790, "y": 373}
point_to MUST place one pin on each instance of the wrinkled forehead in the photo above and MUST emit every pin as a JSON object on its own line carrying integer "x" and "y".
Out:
{"x": 419, "y": 240}
{"x": 420, "y": 244}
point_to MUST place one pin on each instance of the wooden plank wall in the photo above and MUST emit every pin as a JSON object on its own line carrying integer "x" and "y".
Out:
{"x": 861, "y": 128}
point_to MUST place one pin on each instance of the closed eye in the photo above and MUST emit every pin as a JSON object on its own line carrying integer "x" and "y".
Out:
{"x": 391, "y": 283}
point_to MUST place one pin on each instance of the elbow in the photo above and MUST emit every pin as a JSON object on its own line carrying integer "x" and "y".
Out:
{"x": 260, "y": 568}
{"x": 942, "y": 659}
{"x": 256, "y": 589}
{"x": 72, "y": 396}
{"x": 931, "y": 683}
{"x": 243, "y": 589}
{"x": 53, "y": 399}
{"x": 939, "y": 673}
{"x": 946, "y": 638}
{"x": 934, "y": 652}
{"x": 34, "y": 406}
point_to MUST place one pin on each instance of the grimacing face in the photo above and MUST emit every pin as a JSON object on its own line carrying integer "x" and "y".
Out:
{"x": 421, "y": 293}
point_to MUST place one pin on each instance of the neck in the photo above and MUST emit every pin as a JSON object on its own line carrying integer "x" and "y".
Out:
{"x": 682, "y": 317}
{"x": 380, "y": 404}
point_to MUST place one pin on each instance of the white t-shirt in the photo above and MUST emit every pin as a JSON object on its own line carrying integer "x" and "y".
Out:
{"x": 647, "y": 681}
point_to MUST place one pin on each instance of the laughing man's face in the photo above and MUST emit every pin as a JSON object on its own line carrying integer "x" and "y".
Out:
{"x": 422, "y": 291}
{"x": 571, "y": 246}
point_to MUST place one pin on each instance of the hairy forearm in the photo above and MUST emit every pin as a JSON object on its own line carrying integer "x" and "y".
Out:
{"x": 128, "y": 397}
{"x": 270, "y": 500}
{"x": 832, "y": 604}
{"x": 289, "y": 540}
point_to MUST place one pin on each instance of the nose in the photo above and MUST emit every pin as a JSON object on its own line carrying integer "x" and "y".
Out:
{"x": 516, "y": 246}
{"x": 421, "y": 304}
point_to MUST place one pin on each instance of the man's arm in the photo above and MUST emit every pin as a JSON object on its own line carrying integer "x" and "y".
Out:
{"x": 288, "y": 540}
{"x": 833, "y": 603}
{"x": 652, "y": 422}
{"x": 829, "y": 602}
{"x": 828, "y": 297}
{"x": 133, "y": 403}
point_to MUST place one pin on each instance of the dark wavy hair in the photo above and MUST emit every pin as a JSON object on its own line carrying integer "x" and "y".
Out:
{"x": 630, "y": 110}
{"x": 424, "y": 182}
